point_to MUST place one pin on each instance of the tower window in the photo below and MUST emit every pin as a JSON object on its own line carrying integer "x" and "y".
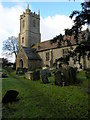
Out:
{"x": 22, "y": 39}
{"x": 34, "y": 23}
{"x": 47, "y": 56}
{"x": 23, "y": 23}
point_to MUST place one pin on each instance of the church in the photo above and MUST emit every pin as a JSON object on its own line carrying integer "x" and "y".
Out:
{"x": 33, "y": 53}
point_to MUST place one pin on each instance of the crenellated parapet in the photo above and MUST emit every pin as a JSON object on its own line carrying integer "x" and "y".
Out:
{"x": 29, "y": 12}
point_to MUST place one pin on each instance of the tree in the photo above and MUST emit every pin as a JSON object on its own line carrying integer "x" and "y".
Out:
{"x": 68, "y": 33}
{"x": 81, "y": 18}
{"x": 10, "y": 46}
{"x": 60, "y": 39}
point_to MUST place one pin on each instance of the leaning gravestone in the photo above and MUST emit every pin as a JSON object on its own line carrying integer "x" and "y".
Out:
{"x": 10, "y": 96}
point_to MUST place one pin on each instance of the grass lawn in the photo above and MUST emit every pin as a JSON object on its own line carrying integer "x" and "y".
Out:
{"x": 37, "y": 100}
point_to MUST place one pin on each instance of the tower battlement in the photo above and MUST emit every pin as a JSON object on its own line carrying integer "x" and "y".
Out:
{"x": 33, "y": 14}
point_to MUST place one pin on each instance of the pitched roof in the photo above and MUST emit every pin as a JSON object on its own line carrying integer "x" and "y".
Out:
{"x": 31, "y": 53}
{"x": 46, "y": 45}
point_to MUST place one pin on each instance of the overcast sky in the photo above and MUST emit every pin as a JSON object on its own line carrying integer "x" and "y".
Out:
{"x": 54, "y": 18}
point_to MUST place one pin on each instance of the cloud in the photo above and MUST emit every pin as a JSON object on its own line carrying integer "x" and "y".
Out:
{"x": 52, "y": 26}
{"x": 9, "y": 22}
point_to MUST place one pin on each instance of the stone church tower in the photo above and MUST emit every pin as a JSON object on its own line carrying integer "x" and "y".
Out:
{"x": 29, "y": 28}
{"x": 29, "y": 35}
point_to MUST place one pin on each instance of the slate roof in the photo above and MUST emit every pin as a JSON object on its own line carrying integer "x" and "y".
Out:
{"x": 31, "y": 53}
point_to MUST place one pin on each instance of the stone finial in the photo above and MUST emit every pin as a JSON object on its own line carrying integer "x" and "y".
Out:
{"x": 39, "y": 12}
{"x": 28, "y": 6}
{"x": 27, "y": 10}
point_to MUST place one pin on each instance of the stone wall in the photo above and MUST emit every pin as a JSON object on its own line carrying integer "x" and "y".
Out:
{"x": 21, "y": 56}
{"x": 33, "y": 64}
{"x": 54, "y": 54}
{"x": 57, "y": 53}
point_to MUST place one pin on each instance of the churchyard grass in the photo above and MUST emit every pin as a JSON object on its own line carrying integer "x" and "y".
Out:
{"x": 38, "y": 100}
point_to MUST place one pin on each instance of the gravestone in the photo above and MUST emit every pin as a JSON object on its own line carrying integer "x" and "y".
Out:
{"x": 65, "y": 75}
{"x": 45, "y": 79}
{"x": 58, "y": 77}
{"x": 10, "y": 96}
{"x": 36, "y": 75}
{"x": 69, "y": 75}
{"x": 33, "y": 75}
{"x": 48, "y": 72}
{"x": 4, "y": 75}
{"x": 44, "y": 75}
{"x": 72, "y": 75}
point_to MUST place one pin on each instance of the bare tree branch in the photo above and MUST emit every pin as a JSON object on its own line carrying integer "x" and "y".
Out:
{"x": 10, "y": 45}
